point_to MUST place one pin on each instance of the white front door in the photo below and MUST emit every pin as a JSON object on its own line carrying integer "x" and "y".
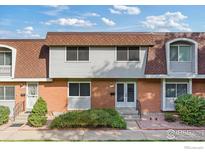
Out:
{"x": 32, "y": 95}
{"x": 125, "y": 94}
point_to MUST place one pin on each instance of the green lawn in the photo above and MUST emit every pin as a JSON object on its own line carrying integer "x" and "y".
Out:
{"x": 94, "y": 118}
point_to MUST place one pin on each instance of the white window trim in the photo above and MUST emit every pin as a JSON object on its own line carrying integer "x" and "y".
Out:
{"x": 77, "y": 61}
{"x": 182, "y": 39}
{"x": 127, "y": 61}
{"x": 179, "y": 61}
{"x": 4, "y": 65}
{"x": 176, "y": 83}
{"x": 4, "y": 86}
{"x": 189, "y": 91}
{"x": 13, "y": 58}
{"x": 79, "y": 89}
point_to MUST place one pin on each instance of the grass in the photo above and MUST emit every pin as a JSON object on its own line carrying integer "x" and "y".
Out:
{"x": 94, "y": 118}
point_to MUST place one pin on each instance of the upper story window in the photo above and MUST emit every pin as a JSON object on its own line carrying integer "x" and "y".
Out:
{"x": 77, "y": 54}
{"x": 128, "y": 54}
{"x": 5, "y": 58}
{"x": 180, "y": 53}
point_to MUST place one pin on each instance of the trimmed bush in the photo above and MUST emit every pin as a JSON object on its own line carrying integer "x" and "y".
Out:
{"x": 4, "y": 114}
{"x": 191, "y": 109}
{"x": 40, "y": 107}
{"x": 169, "y": 117}
{"x": 94, "y": 118}
{"x": 38, "y": 118}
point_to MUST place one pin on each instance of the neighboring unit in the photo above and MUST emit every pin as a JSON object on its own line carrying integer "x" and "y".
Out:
{"x": 83, "y": 70}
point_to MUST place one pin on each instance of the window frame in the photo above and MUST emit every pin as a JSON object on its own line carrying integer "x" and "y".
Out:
{"x": 71, "y": 61}
{"x": 4, "y": 59}
{"x": 176, "y": 83}
{"x": 178, "y": 51}
{"x": 79, "y": 82}
{"x": 4, "y": 88}
{"x": 127, "y": 54}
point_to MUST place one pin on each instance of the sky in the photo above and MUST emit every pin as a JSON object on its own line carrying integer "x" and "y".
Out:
{"x": 36, "y": 21}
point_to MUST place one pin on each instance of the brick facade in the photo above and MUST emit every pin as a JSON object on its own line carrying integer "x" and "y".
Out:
{"x": 149, "y": 94}
{"x": 100, "y": 96}
{"x": 55, "y": 94}
{"x": 198, "y": 87}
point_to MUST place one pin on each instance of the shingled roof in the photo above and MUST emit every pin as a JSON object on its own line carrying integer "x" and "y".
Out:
{"x": 31, "y": 58}
{"x": 32, "y": 55}
{"x": 99, "y": 38}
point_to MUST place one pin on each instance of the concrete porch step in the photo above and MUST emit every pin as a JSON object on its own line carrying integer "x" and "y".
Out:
{"x": 127, "y": 111}
{"x": 131, "y": 117}
{"x": 129, "y": 114}
{"x": 22, "y": 117}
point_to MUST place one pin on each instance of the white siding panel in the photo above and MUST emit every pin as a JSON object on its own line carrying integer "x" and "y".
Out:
{"x": 102, "y": 63}
{"x": 79, "y": 103}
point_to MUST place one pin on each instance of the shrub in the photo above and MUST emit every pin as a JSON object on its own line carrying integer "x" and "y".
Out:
{"x": 94, "y": 118}
{"x": 191, "y": 109}
{"x": 4, "y": 114}
{"x": 170, "y": 117}
{"x": 38, "y": 118}
{"x": 40, "y": 107}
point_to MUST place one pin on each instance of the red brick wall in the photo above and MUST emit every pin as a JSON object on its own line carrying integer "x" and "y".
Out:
{"x": 100, "y": 96}
{"x": 55, "y": 94}
{"x": 149, "y": 94}
{"x": 198, "y": 87}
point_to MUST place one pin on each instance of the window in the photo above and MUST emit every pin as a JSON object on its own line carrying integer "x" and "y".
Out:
{"x": 5, "y": 58}
{"x": 180, "y": 53}
{"x": 79, "y": 89}
{"x": 7, "y": 93}
{"x": 176, "y": 90}
{"x": 128, "y": 54}
{"x": 77, "y": 54}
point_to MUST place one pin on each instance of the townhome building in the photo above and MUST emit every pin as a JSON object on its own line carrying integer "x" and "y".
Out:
{"x": 85, "y": 70}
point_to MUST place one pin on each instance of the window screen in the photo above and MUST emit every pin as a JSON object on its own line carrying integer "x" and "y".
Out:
{"x": 134, "y": 54}
{"x": 170, "y": 90}
{"x": 1, "y": 58}
{"x": 73, "y": 89}
{"x": 71, "y": 54}
{"x": 9, "y": 93}
{"x": 84, "y": 89}
{"x": 122, "y": 54}
{"x": 174, "y": 53}
{"x": 83, "y": 53}
{"x": 181, "y": 89}
{"x": 1, "y": 93}
{"x": 184, "y": 53}
{"x": 8, "y": 58}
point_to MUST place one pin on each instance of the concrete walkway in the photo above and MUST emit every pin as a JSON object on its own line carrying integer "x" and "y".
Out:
{"x": 102, "y": 135}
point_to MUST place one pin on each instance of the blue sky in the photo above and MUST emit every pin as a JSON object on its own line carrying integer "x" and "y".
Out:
{"x": 36, "y": 21}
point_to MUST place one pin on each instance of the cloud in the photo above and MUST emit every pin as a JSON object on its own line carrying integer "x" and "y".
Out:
{"x": 122, "y": 9}
{"x": 92, "y": 14}
{"x": 114, "y": 11}
{"x": 71, "y": 22}
{"x": 108, "y": 22}
{"x": 28, "y": 32}
{"x": 55, "y": 10}
{"x": 167, "y": 22}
